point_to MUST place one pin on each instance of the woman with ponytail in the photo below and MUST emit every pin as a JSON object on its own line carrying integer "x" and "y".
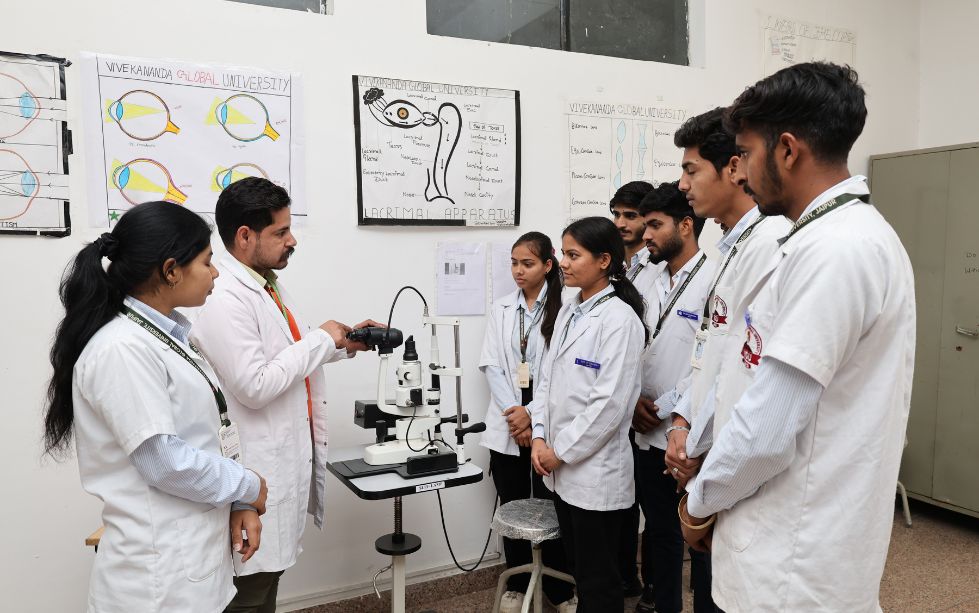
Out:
{"x": 519, "y": 329}
{"x": 144, "y": 410}
{"x": 582, "y": 410}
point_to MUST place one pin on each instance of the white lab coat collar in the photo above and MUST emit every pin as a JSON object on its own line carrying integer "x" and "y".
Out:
{"x": 732, "y": 235}
{"x": 174, "y": 324}
{"x": 857, "y": 184}
{"x": 241, "y": 273}
{"x": 664, "y": 277}
{"x": 584, "y": 311}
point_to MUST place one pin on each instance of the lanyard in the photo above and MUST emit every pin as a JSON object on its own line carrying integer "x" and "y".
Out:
{"x": 526, "y": 337}
{"x": 637, "y": 270}
{"x": 676, "y": 296}
{"x": 821, "y": 210}
{"x": 730, "y": 256}
{"x": 567, "y": 326}
{"x": 162, "y": 336}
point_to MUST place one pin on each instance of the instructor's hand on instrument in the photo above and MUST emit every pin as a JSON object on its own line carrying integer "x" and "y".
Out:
{"x": 353, "y": 347}
{"x": 246, "y": 520}
{"x": 338, "y": 332}
{"x": 518, "y": 419}
{"x": 644, "y": 419}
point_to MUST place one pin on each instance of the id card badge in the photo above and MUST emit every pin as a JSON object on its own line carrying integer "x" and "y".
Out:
{"x": 523, "y": 375}
{"x": 699, "y": 344}
{"x": 230, "y": 442}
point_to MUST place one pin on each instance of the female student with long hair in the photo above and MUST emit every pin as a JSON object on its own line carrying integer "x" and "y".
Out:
{"x": 520, "y": 327}
{"x": 143, "y": 407}
{"x": 588, "y": 387}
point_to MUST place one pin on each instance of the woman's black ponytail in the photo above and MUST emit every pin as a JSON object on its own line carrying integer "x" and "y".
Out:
{"x": 599, "y": 235}
{"x": 540, "y": 245}
{"x": 143, "y": 239}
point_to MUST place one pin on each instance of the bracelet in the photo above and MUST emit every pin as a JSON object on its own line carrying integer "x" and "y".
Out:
{"x": 672, "y": 428}
{"x": 703, "y": 526}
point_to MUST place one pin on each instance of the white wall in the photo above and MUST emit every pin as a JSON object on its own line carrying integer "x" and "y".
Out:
{"x": 342, "y": 271}
{"x": 949, "y": 88}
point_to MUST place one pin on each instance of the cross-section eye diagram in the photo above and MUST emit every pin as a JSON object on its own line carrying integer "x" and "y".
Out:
{"x": 34, "y": 146}
{"x": 141, "y": 115}
{"x": 144, "y": 180}
{"x": 244, "y": 118}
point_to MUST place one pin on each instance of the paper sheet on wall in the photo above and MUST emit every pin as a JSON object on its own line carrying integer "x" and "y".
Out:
{"x": 788, "y": 41}
{"x": 460, "y": 278}
{"x": 436, "y": 154}
{"x": 503, "y": 283}
{"x": 612, "y": 143}
{"x": 181, "y": 132}
{"x": 34, "y": 146}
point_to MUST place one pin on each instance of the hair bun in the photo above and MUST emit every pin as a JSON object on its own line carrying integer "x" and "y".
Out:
{"x": 108, "y": 245}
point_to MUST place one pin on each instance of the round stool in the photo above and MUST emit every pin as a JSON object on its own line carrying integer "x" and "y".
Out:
{"x": 534, "y": 520}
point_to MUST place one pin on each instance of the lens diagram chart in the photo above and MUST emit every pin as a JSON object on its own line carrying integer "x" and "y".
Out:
{"x": 184, "y": 132}
{"x": 436, "y": 154}
{"x": 612, "y": 143}
{"x": 34, "y": 146}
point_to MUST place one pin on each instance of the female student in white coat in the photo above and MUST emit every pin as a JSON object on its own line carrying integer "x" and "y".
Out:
{"x": 143, "y": 407}
{"x": 520, "y": 327}
{"x": 589, "y": 384}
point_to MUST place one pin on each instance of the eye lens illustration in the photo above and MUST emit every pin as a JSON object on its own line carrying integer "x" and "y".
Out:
{"x": 19, "y": 185}
{"x": 141, "y": 115}
{"x": 225, "y": 176}
{"x": 244, "y": 118}
{"x": 18, "y": 106}
{"x": 144, "y": 180}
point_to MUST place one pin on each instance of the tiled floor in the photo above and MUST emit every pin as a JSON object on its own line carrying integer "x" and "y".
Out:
{"x": 931, "y": 568}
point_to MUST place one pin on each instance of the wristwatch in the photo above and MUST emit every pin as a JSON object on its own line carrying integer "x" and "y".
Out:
{"x": 672, "y": 428}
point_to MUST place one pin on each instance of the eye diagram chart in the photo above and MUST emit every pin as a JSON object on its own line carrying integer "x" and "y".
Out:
{"x": 436, "y": 154}
{"x": 34, "y": 146}
{"x": 610, "y": 144}
{"x": 184, "y": 132}
{"x": 788, "y": 41}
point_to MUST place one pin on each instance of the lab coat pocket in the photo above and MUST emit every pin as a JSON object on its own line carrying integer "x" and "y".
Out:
{"x": 205, "y": 541}
{"x": 741, "y": 524}
{"x": 286, "y": 513}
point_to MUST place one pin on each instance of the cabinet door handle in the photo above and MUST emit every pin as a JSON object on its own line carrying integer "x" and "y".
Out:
{"x": 967, "y": 332}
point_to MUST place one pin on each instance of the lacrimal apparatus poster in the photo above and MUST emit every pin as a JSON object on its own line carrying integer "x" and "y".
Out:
{"x": 436, "y": 154}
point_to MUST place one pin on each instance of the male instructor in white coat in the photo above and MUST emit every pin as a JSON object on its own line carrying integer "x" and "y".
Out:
{"x": 802, "y": 474}
{"x": 269, "y": 364}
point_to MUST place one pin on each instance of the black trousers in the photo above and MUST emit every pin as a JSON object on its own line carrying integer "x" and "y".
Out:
{"x": 256, "y": 593}
{"x": 629, "y": 540}
{"x": 663, "y": 541}
{"x": 512, "y": 476}
{"x": 591, "y": 540}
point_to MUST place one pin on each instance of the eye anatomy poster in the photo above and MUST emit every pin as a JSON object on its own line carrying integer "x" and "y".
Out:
{"x": 612, "y": 143}
{"x": 163, "y": 130}
{"x": 433, "y": 154}
{"x": 34, "y": 146}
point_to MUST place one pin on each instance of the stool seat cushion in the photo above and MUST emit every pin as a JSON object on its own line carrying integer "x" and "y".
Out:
{"x": 531, "y": 519}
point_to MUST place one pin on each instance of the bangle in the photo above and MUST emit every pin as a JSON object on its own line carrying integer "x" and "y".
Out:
{"x": 672, "y": 428}
{"x": 679, "y": 511}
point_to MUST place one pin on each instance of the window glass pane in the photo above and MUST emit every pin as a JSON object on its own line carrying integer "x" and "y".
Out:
{"x": 536, "y": 23}
{"x": 654, "y": 30}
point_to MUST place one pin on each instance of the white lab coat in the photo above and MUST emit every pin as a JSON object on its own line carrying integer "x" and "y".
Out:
{"x": 159, "y": 553}
{"x": 497, "y": 351}
{"x": 586, "y": 412}
{"x": 746, "y": 269}
{"x": 262, "y": 370}
{"x": 838, "y": 304}
{"x": 666, "y": 361}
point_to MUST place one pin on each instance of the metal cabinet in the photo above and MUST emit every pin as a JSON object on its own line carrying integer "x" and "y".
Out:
{"x": 931, "y": 197}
